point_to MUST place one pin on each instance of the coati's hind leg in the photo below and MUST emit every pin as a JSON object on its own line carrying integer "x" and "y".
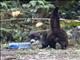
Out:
{"x": 64, "y": 44}
{"x": 53, "y": 45}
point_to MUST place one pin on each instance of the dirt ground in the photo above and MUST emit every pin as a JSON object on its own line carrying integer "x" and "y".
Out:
{"x": 40, "y": 54}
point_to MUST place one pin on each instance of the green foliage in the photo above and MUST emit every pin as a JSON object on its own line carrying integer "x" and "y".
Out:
{"x": 39, "y": 5}
{"x": 75, "y": 24}
{"x": 16, "y": 33}
{"x": 37, "y": 8}
{"x": 71, "y": 9}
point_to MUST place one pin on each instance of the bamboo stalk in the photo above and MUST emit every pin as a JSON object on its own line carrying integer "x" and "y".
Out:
{"x": 22, "y": 19}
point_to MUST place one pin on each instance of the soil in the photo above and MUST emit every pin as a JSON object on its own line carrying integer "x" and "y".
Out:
{"x": 71, "y": 53}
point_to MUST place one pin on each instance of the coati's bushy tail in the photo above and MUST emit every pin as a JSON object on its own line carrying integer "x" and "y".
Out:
{"x": 55, "y": 23}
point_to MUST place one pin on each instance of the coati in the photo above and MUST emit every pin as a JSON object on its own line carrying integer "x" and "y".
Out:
{"x": 56, "y": 34}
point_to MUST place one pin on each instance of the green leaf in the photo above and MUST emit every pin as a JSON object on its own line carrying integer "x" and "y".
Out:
{"x": 41, "y": 2}
{"x": 33, "y": 3}
{"x": 51, "y": 6}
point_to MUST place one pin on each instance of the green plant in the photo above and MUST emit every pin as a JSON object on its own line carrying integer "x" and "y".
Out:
{"x": 40, "y": 6}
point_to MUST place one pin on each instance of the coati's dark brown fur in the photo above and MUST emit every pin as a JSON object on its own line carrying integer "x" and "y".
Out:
{"x": 56, "y": 34}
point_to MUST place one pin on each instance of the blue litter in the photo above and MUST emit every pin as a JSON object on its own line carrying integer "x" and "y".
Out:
{"x": 20, "y": 45}
{"x": 13, "y": 46}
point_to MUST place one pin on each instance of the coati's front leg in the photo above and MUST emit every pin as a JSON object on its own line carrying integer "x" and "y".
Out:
{"x": 51, "y": 40}
{"x": 44, "y": 40}
{"x": 44, "y": 44}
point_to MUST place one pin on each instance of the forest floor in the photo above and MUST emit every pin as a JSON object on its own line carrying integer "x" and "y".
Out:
{"x": 71, "y": 53}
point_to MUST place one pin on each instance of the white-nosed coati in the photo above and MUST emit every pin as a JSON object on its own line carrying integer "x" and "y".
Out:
{"x": 55, "y": 34}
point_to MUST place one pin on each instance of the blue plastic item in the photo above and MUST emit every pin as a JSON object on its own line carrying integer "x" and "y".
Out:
{"x": 20, "y": 45}
{"x": 13, "y": 46}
